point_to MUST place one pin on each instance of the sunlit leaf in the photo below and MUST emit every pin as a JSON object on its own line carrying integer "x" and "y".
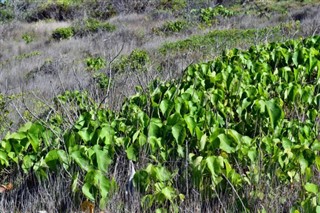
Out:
{"x": 312, "y": 188}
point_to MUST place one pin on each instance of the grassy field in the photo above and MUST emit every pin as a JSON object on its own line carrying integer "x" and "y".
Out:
{"x": 217, "y": 105}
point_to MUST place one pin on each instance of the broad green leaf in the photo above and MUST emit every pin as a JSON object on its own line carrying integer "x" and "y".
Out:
{"x": 52, "y": 159}
{"x": 4, "y": 158}
{"x": 168, "y": 193}
{"x": 155, "y": 127}
{"x": 275, "y": 113}
{"x": 86, "y": 134}
{"x": 142, "y": 139}
{"x": 295, "y": 58}
{"x": 316, "y": 145}
{"x": 16, "y": 136}
{"x": 28, "y": 162}
{"x": 64, "y": 158}
{"x": 103, "y": 184}
{"x": 131, "y": 153}
{"x": 103, "y": 159}
{"x": 215, "y": 164}
{"x": 81, "y": 160}
{"x": 203, "y": 142}
{"x": 180, "y": 151}
{"x": 179, "y": 133}
{"x": 106, "y": 134}
{"x": 166, "y": 107}
{"x": 191, "y": 124}
{"x": 162, "y": 173}
{"x": 135, "y": 135}
{"x": 312, "y": 188}
{"x": 303, "y": 163}
{"x": 226, "y": 143}
{"x": 86, "y": 191}
{"x": 33, "y": 136}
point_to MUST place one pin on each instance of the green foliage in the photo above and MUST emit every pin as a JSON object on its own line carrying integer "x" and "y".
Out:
{"x": 102, "y": 80}
{"x": 6, "y": 14}
{"x": 90, "y": 26}
{"x": 27, "y": 38}
{"x": 93, "y": 25}
{"x": 95, "y": 63}
{"x": 63, "y": 33}
{"x": 87, "y": 27}
{"x": 27, "y": 55}
{"x": 136, "y": 61}
{"x": 174, "y": 5}
{"x": 255, "y": 111}
{"x": 171, "y": 27}
{"x": 208, "y": 42}
{"x": 209, "y": 15}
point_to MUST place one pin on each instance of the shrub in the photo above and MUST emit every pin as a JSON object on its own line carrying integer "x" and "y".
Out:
{"x": 95, "y": 64}
{"x": 136, "y": 61}
{"x": 171, "y": 27}
{"x": 210, "y": 14}
{"x": 63, "y": 33}
{"x": 92, "y": 25}
{"x": 102, "y": 80}
{"x": 5, "y": 14}
{"x": 27, "y": 38}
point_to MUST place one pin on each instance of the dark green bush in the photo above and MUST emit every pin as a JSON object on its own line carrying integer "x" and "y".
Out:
{"x": 136, "y": 61}
{"x": 28, "y": 38}
{"x": 102, "y": 80}
{"x": 171, "y": 27}
{"x": 95, "y": 64}
{"x": 210, "y": 14}
{"x": 6, "y": 14}
{"x": 92, "y": 25}
{"x": 63, "y": 33}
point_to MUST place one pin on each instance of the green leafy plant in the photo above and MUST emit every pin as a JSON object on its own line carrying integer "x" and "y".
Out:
{"x": 136, "y": 61}
{"x": 171, "y": 27}
{"x": 95, "y": 63}
{"x": 225, "y": 126}
{"x": 63, "y": 33}
{"x": 90, "y": 26}
{"x": 209, "y": 15}
{"x": 27, "y": 38}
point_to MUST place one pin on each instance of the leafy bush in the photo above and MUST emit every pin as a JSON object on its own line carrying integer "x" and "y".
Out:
{"x": 136, "y": 61}
{"x": 209, "y": 15}
{"x": 28, "y": 38}
{"x": 102, "y": 80}
{"x": 6, "y": 14}
{"x": 228, "y": 37}
{"x": 95, "y": 64}
{"x": 83, "y": 28}
{"x": 171, "y": 27}
{"x": 90, "y": 26}
{"x": 249, "y": 120}
{"x": 63, "y": 33}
